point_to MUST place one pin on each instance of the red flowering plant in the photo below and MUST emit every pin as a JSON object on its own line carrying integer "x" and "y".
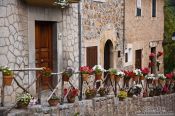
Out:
{"x": 128, "y": 74}
{"x": 46, "y": 72}
{"x": 159, "y": 54}
{"x": 151, "y": 64}
{"x": 73, "y": 92}
{"x": 145, "y": 71}
{"x": 152, "y": 55}
{"x": 86, "y": 70}
{"x": 169, "y": 76}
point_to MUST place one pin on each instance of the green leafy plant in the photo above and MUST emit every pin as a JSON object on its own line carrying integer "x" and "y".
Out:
{"x": 6, "y": 71}
{"x": 90, "y": 93}
{"x": 112, "y": 71}
{"x": 24, "y": 98}
{"x": 68, "y": 72}
{"x": 54, "y": 97}
{"x": 97, "y": 69}
{"x": 122, "y": 94}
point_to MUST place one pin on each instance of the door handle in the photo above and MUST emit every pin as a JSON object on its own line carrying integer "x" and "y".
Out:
{"x": 42, "y": 60}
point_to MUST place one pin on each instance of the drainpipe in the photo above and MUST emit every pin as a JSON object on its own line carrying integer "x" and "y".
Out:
{"x": 79, "y": 46}
{"x": 124, "y": 29}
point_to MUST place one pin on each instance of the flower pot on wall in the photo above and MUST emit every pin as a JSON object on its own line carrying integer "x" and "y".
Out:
{"x": 149, "y": 81}
{"x": 117, "y": 79}
{"x": 112, "y": 76}
{"x": 85, "y": 77}
{"x": 22, "y": 105}
{"x": 65, "y": 78}
{"x": 70, "y": 99}
{"x": 7, "y": 80}
{"x": 53, "y": 102}
{"x": 98, "y": 76}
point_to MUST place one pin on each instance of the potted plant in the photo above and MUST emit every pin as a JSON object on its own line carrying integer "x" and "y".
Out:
{"x": 112, "y": 73}
{"x": 169, "y": 77}
{"x": 150, "y": 78}
{"x": 85, "y": 72}
{"x": 120, "y": 74}
{"x": 98, "y": 72}
{"x": 7, "y": 75}
{"x": 128, "y": 76}
{"x": 46, "y": 74}
{"x": 161, "y": 78}
{"x": 54, "y": 100}
{"x": 152, "y": 55}
{"x": 67, "y": 74}
{"x": 145, "y": 72}
{"x": 90, "y": 93}
{"x": 122, "y": 95}
{"x": 23, "y": 100}
{"x": 138, "y": 74}
{"x": 103, "y": 91}
{"x": 71, "y": 94}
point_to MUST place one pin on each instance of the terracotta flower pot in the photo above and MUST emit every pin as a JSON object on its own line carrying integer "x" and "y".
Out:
{"x": 98, "y": 76}
{"x": 142, "y": 78}
{"x": 117, "y": 79}
{"x": 70, "y": 99}
{"x": 7, "y": 80}
{"x": 135, "y": 78}
{"x": 53, "y": 102}
{"x": 46, "y": 80}
{"x": 85, "y": 77}
{"x": 65, "y": 78}
{"x": 22, "y": 105}
{"x": 112, "y": 76}
{"x": 121, "y": 98}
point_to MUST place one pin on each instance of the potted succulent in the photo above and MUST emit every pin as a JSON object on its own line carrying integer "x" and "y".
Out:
{"x": 161, "y": 78}
{"x": 85, "y": 72}
{"x": 98, "y": 72}
{"x": 7, "y": 75}
{"x": 112, "y": 73}
{"x": 122, "y": 95}
{"x": 23, "y": 100}
{"x": 90, "y": 93}
{"x": 71, "y": 94}
{"x": 67, "y": 74}
{"x": 120, "y": 74}
{"x": 138, "y": 74}
{"x": 54, "y": 100}
{"x": 46, "y": 74}
{"x": 103, "y": 91}
{"x": 150, "y": 78}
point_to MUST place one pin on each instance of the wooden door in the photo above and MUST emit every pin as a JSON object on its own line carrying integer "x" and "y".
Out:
{"x": 138, "y": 59}
{"x": 91, "y": 56}
{"x": 43, "y": 48}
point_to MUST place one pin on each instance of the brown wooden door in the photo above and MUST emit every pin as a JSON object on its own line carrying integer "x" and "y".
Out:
{"x": 91, "y": 56}
{"x": 43, "y": 48}
{"x": 138, "y": 59}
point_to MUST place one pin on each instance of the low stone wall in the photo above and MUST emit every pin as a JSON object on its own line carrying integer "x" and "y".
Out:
{"x": 106, "y": 106}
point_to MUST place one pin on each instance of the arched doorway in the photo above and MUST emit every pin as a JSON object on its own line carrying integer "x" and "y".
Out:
{"x": 108, "y": 59}
{"x": 108, "y": 55}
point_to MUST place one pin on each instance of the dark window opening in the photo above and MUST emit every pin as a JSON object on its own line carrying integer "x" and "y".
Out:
{"x": 153, "y": 8}
{"x": 138, "y": 8}
{"x": 119, "y": 54}
{"x": 126, "y": 57}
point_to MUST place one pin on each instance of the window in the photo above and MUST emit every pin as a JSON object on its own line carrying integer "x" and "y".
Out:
{"x": 138, "y": 7}
{"x": 91, "y": 56}
{"x": 119, "y": 54}
{"x": 153, "y": 8}
{"x": 126, "y": 57}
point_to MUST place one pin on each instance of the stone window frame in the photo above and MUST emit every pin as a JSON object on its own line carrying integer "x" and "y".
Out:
{"x": 129, "y": 51}
{"x": 99, "y": 1}
{"x": 136, "y": 8}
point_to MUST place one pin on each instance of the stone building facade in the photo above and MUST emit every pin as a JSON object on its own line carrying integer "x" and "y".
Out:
{"x": 101, "y": 20}
{"x": 143, "y": 31}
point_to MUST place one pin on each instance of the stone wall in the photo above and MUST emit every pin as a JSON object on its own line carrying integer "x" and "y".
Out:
{"x": 102, "y": 20}
{"x": 107, "y": 106}
{"x": 14, "y": 43}
{"x": 141, "y": 30}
